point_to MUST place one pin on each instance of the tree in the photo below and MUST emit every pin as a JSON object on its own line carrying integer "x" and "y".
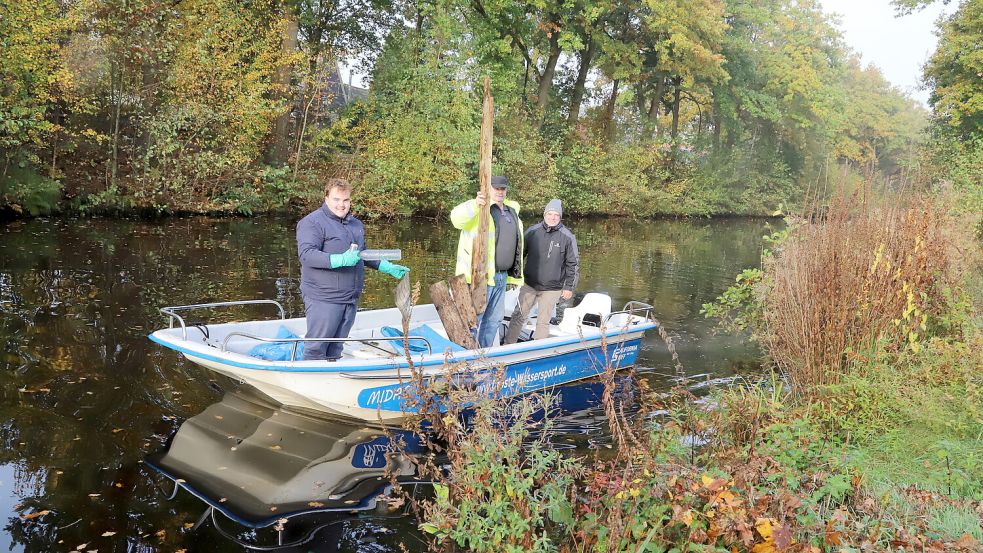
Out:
{"x": 955, "y": 72}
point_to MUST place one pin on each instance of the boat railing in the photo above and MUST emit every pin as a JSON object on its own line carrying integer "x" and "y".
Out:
{"x": 170, "y": 312}
{"x": 297, "y": 341}
{"x": 635, "y": 308}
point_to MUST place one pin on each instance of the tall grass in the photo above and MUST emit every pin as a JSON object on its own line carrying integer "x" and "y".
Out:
{"x": 858, "y": 276}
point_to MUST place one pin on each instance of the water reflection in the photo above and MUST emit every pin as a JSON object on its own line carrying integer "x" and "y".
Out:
{"x": 84, "y": 396}
{"x": 255, "y": 465}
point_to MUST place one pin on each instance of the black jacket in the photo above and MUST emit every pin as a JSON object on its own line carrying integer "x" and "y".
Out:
{"x": 552, "y": 259}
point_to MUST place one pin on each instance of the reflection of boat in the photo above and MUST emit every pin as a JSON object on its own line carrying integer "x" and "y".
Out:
{"x": 372, "y": 379}
{"x": 257, "y": 464}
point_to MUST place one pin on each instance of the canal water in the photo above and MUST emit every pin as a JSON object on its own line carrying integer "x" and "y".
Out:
{"x": 98, "y": 421}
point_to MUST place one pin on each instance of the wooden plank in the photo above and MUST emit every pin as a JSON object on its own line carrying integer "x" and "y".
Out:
{"x": 456, "y": 327}
{"x": 479, "y": 257}
{"x": 462, "y": 298}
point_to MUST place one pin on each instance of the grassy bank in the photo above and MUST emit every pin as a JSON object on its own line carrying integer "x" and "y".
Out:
{"x": 868, "y": 435}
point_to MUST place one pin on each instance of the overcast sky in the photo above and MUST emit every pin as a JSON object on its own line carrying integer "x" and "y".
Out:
{"x": 899, "y": 46}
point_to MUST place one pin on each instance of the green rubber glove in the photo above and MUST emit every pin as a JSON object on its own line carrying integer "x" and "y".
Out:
{"x": 347, "y": 259}
{"x": 392, "y": 269}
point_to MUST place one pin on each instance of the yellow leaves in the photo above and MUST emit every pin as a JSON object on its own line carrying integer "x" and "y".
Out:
{"x": 765, "y": 527}
{"x": 32, "y": 516}
{"x": 878, "y": 254}
{"x": 687, "y": 517}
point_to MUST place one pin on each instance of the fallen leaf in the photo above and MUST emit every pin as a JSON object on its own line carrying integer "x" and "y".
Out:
{"x": 316, "y": 504}
{"x": 966, "y": 542}
{"x": 32, "y": 516}
{"x": 94, "y": 494}
{"x": 117, "y": 430}
{"x": 107, "y": 534}
{"x": 764, "y": 527}
{"x": 161, "y": 534}
{"x": 189, "y": 525}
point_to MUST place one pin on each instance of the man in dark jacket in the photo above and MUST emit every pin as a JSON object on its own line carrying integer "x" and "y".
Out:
{"x": 331, "y": 272}
{"x": 552, "y": 269}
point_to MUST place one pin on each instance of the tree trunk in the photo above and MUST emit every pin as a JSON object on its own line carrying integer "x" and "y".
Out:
{"x": 609, "y": 112}
{"x": 546, "y": 81}
{"x": 678, "y": 82}
{"x": 116, "y": 79}
{"x": 656, "y": 106}
{"x": 280, "y": 151}
{"x": 586, "y": 57}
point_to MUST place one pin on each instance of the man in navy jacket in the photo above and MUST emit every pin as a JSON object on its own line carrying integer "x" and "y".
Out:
{"x": 552, "y": 270}
{"x": 332, "y": 274}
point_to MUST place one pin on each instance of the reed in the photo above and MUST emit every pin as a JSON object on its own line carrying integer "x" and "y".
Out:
{"x": 859, "y": 277}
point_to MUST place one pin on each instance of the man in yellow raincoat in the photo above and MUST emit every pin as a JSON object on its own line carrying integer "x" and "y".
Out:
{"x": 504, "y": 252}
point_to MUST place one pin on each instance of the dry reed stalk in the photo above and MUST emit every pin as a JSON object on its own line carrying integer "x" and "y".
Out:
{"x": 861, "y": 275}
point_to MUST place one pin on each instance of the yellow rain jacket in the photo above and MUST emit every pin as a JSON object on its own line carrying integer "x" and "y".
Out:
{"x": 465, "y": 218}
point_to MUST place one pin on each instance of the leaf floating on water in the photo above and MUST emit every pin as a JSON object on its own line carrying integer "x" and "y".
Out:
{"x": 80, "y": 547}
{"x": 117, "y": 430}
{"x": 107, "y": 534}
{"x": 316, "y": 504}
{"x": 94, "y": 494}
{"x": 32, "y": 516}
{"x": 189, "y": 525}
{"x": 161, "y": 534}
{"x": 273, "y": 508}
{"x": 275, "y": 446}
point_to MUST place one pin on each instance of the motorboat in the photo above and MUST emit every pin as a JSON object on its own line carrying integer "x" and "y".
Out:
{"x": 382, "y": 374}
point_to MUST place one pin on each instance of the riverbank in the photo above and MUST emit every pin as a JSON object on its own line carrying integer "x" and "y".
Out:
{"x": 868, "y": 436}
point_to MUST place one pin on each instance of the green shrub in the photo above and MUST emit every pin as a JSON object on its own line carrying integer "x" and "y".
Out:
{"x": 22, "y": 189}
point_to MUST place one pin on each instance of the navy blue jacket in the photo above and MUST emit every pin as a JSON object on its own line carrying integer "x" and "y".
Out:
{"x": 320, "y": 234}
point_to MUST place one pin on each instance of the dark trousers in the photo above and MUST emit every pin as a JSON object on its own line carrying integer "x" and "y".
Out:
{"x": 327, "y": 320}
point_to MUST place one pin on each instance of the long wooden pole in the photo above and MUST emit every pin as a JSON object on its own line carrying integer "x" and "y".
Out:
{"x": 479, "y": 257}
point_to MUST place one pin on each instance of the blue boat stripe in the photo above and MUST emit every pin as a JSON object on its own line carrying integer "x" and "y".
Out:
{"x": 334, "y": 368}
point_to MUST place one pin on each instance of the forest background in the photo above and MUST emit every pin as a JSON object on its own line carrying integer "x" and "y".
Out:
{"x": 635, "y": 107}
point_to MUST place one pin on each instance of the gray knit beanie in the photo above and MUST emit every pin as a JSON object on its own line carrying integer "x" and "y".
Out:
{"x": 554, "y": 205}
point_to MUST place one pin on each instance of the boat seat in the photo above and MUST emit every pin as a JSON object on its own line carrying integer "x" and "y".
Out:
{"x": 595, "y": 304}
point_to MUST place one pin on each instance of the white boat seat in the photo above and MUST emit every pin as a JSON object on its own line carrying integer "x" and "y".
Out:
{"x": 593, "y": 303}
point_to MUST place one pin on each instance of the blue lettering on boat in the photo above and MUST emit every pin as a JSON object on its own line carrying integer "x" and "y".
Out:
{"x": 518, "y": 378}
